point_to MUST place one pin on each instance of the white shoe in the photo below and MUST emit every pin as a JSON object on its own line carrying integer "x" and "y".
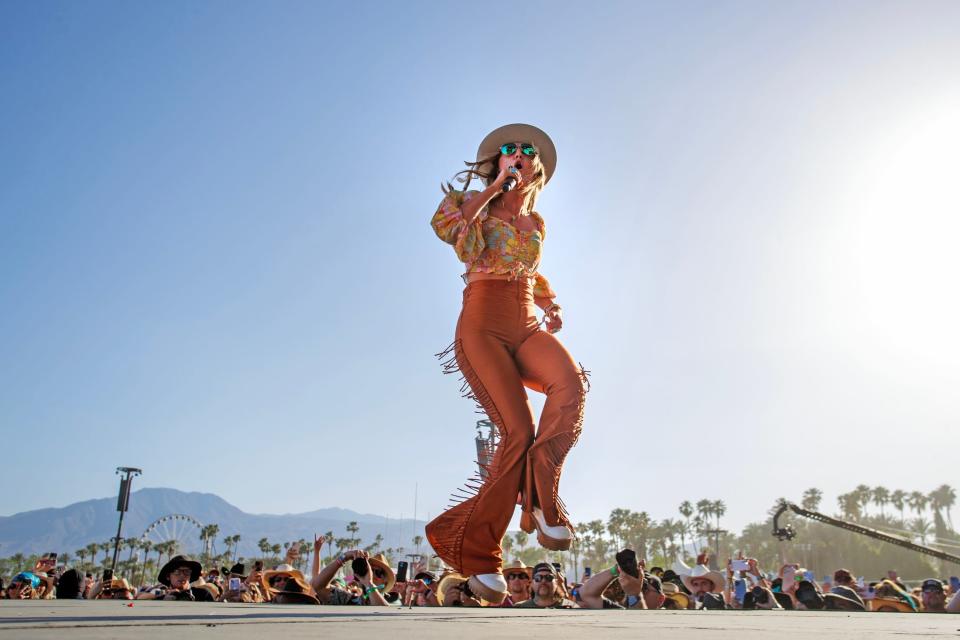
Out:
{"x": 559, "y": 532}
{"x": 489, "y": 586}
{"x": 493, "y": 581}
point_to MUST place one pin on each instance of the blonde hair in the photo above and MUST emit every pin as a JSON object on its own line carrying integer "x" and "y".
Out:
{"x": 531, "y": 191}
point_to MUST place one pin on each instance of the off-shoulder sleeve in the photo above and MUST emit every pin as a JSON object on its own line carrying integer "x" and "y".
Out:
{"x": 449, "y": 225}
{"x": 542, "y": 288}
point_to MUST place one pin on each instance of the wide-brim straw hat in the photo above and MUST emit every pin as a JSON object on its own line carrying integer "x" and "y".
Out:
{"x": 287, "y": 596}
{"x": 703, "y": 571}
{"x": 673, "y": 592}
{"x": 175, "y": 563}
{"x": 283, "y": 570}
{"x": 519, "y": 132}
{"x": 891, "y": 603}
{"x": 445, "y": 582}
{"x": 380, "y": 561}
{"x": 518, "y": 565}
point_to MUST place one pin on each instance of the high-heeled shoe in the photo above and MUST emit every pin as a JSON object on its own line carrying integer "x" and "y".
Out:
{"x": 556, "y": 538}
{"x": 488, "y": 586}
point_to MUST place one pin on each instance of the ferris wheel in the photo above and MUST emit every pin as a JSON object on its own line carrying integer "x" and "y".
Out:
{"x": 183, "y": 529}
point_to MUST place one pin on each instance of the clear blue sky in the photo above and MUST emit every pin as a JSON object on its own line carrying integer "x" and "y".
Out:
{"x": 216, "y": 264}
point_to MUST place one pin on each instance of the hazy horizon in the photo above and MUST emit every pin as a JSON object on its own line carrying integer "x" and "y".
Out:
{"x": 216, "y": 262}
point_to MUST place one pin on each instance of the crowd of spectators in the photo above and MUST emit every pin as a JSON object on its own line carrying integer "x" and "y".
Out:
{"x": 359, "y": 578}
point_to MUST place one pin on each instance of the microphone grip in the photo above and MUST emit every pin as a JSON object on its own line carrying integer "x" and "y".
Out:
{"x": 509, "y": 184}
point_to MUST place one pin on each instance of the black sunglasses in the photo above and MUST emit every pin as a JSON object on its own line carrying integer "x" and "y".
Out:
{"x": 517, "y": 576}
{"x": 546, "y": 577}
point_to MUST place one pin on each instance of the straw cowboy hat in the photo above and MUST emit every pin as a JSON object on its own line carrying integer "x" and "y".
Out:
{"x": 295, "y": 591}
{"x": 519, "y": 133}
{"x": 445, "y": 582}
{"x": 673, "y": 592}
{"x": 517, "y": 565}
{"x": 703, "y": 571}
{"x": 379, "y": 561}
{"x": 283, "y": 570}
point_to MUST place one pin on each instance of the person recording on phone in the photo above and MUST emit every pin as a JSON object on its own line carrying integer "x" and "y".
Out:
{"x": 739, "y": 594}
{"x": 640, "y": 591}
{"x": 363, "y": 575}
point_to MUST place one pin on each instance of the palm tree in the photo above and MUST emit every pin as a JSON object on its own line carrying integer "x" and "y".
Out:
{"x": 82, "y": 554}
{"x": 236, "y": 545}
{"x": 328, "y": 536}
{"x": 921, "y": 527}
{"x": 849, "y": 505}
{"x": 131, "y": 543}
{"x": 948, "y": 499}
{"x": 507, "y": 545}
{"x": 417, "y": 541}
{"x": 811, "y": 499}
{"x": 881, "y": 496}
{"x": 943, "y": 497}
{"x": 669, "y": 529}
{"x": 898, "y": 498}
{"x": 719, "y": 509}
{"x": 147, "y": 547}
{"x": 353, "y": 529}
{"x": 264, "y": 546}
{"x": 917, "y": 502}
{"x": 617, "y": 524}
{"x": 863, "y": 494}
{"x": 92, "y": 549}
{"x": 521, "y": 538}
{"x": 704, "y": 509}
{"x": 682, "y": 530}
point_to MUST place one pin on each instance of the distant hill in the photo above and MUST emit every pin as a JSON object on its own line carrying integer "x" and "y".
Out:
{"x": 72, "y": 527}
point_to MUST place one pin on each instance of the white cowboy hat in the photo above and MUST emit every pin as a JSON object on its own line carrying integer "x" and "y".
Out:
{"x": 703, "y": 571}
{"x": 520, "y": 133}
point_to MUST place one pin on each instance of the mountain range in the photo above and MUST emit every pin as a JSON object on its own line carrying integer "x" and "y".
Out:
{"x": 69, "y": 528}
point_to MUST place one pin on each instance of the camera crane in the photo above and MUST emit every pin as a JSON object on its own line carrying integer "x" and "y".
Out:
{"x": 788, "y": 532}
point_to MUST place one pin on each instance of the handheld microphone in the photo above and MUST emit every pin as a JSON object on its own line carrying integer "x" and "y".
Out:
{"x": 510, "y": 182}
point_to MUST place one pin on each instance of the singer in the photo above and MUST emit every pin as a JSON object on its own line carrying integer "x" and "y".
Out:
{"x": 501, "y": 350}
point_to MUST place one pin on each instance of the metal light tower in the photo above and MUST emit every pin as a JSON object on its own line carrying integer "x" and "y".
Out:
{"x": 123, "y": 503}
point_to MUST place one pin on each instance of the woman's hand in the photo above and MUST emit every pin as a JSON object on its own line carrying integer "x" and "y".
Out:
{"x": 508, "y": 172}
{"x": 318, "y": 542}
{"x": 554, "y": 319}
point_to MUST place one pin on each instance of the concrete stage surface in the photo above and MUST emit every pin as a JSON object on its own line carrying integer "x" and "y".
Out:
{"x": 79, "y": 620}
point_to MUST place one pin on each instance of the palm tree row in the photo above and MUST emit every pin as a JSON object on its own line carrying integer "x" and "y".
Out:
{"x": 940, "y": 501}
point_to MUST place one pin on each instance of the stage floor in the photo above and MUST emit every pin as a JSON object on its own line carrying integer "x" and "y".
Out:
{"x": 101, "y": 620}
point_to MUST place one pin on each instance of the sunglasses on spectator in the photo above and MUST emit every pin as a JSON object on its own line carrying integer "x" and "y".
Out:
{"x": 185, "y": 572}
{"x": 546, "y": 577}
{"x": 517, "y": 576}
{"x": 526, "y": 149}
{"x": 380, "y": 573}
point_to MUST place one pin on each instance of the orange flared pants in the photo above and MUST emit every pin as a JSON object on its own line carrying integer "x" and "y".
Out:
{"x": 501, "y": 351}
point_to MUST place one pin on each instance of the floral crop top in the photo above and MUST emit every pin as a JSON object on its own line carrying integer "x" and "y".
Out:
{"x": 491, "y": 245}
